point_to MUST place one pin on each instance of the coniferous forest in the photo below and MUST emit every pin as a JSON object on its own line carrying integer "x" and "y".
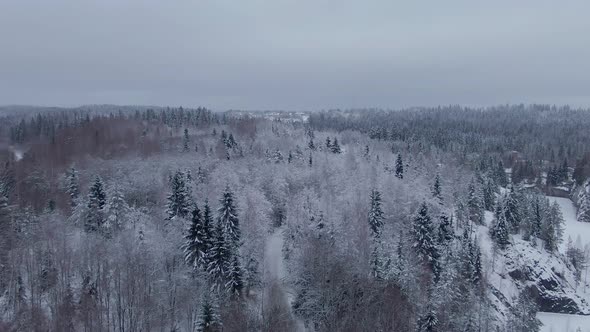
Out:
{"x": 171, "y": 219}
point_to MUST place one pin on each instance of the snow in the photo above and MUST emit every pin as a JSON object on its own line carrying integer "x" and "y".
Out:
{"x": 563, "y": 322}
{"x": 572, "y": 227}
{"x": 275, "y": 269}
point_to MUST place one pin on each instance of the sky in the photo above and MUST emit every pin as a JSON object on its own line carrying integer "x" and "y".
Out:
{"x": 294, "y": 55}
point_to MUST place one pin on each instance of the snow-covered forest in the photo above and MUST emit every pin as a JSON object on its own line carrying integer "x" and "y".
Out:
{"x": 170, "y": 219}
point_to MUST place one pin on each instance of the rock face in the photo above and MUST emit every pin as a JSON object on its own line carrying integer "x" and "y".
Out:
{"x": 547, "y": 276}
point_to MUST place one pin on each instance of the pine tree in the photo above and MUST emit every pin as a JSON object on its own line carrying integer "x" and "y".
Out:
{"x": 499, "y": 230}
{"x": 328, "y": 144}
{"x": 311, "y": 145}
{"x": 73, "y": 184}
{"x": 437, "y": 190}
{"x": 375, "y": 214}
{"x": 335, "y": 148}
{"x": 523, "y": 316}
{"x": 197, "y": 243}
{"x": 185, "y": 141}
{"x": 489, "y": 194}
{"x": 428, "y": 321}
{"x": 512, "y": 210}
{"x": 219, "y": 258}
{"x": 235, "y": 277}
{"x": 399, "y": 167}
{"x": 475, "y": 258}
{"x": 422, "y": 231}
{"x": 475, "y": 203}
{"x": 209, "y": 319}
{"x": 445, "y": 229}
{"x": 228, "y": 217}
{"x": 96, "y": 203}
{"x": 179, "y": 200}
{"x": 552, "y": 232}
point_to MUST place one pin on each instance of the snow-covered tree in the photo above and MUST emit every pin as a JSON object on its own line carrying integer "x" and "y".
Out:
{"x": 179, "y": 201}
{"x": 499, "y": 230}
{"x": 73, "y": 185}
{"x": 219, "y": 258}
{"x": 552, "y": 230}
{"x": 512, "y": 210}
{"x": 228, "y": 218}
{"x": 116, "y": 210}
{"x": 185, "y": 141}
{"x": 335, "y": 147}
{"x": 399, "y": 167}
{"x": 475, "y": 206}
{"x": 197, "y": 241}
{"x": 96, "y": 203}
{"x": 424, "y": 240}
{"x": 235, "y": 277}
{"x": 437, "y": 189}
{"x": 209, "y": 319}
{"x": 375, "y": 214}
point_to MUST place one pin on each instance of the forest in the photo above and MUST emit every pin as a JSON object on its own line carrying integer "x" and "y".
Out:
{"x": 130, "y": 218}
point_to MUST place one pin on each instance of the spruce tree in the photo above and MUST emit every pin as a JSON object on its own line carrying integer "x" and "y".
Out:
{"x": 489, "y": 194}
{"x": 424, "y": 244}
{"x": 399, "y": 167}
{"x": 73, "y": 184}
{"x": 335, "y": 148}
{"x": 196, "y": 243}
{"x": 219, "y": 258}
{"x": 235, "y": 277}
{"x": 328, "y": 144}
{"x": 179, "y": 200}
{"x": 475, "y": 203}
{"x": 209, "y": 319}
{"x": 552, "y": 232}
{"x": 512, "y": 210}
{"x": 228, "y": 217}
{"x": 375, "y": 214}
{"x": 445, "y": 229}
{"x": 500, "y": 175}
{"x": 96, "y": 203}
{"x": 437, "y": 190}
{"x": 185, "y": 141}
{"x": 499, "y": 230}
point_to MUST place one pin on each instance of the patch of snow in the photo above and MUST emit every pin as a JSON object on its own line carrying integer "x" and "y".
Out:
{"x": 563, "y": 322}
{"x": 573, "y": 228}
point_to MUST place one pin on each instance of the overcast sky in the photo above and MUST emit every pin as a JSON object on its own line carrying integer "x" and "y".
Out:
{"x": 296, "y": 55}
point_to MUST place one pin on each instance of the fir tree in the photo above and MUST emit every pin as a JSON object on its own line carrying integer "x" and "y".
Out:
{"x": 399, "y": 167}
{"x": 335, "y": 148}
{"x": 73, "y": 184}
{"x": 235, "y": 283}
{"x": 437, "y": 190}
{"x": 445, "y": 229}
{"x": 475, "y": 203}
{"x": 512, "y": 210}
{"x": 375, "y": 214}
{"x": 489, "y": 194}
{"x": 428, "y": 322}
{"x": 328, "y": 144}
{"x": 185, "y": 141}
{"x": 197, "y": 243}
{"x": 96, "y": 202}
{"x": 310, "y": 161}
{"x": 499, "y": 230}
{"x": 422, "y": 231}
{"x": 311, "y": 145}
{"x": 209, "y": 319}
{"x": 552, "y": 232}
{"x": 228, "y": 217}
{"x": 179, "y": 200}
{"x": 219, "y": 258}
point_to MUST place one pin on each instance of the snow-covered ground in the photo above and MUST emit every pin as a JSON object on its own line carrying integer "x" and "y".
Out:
{"x": 275, "y": 268}
{"x": 572, "y": 228}
{"x": 563, "y": 322}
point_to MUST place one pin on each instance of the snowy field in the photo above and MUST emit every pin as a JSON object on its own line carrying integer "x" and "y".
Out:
{"x": 564, "y": 323}
{"x": 577, "y": 231}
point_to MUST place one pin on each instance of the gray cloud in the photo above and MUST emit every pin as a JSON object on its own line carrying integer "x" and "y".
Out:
{"x": 293, "y": 54}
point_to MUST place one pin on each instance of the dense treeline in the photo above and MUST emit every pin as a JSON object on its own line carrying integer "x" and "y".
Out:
{"x": 183, "y": 220}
